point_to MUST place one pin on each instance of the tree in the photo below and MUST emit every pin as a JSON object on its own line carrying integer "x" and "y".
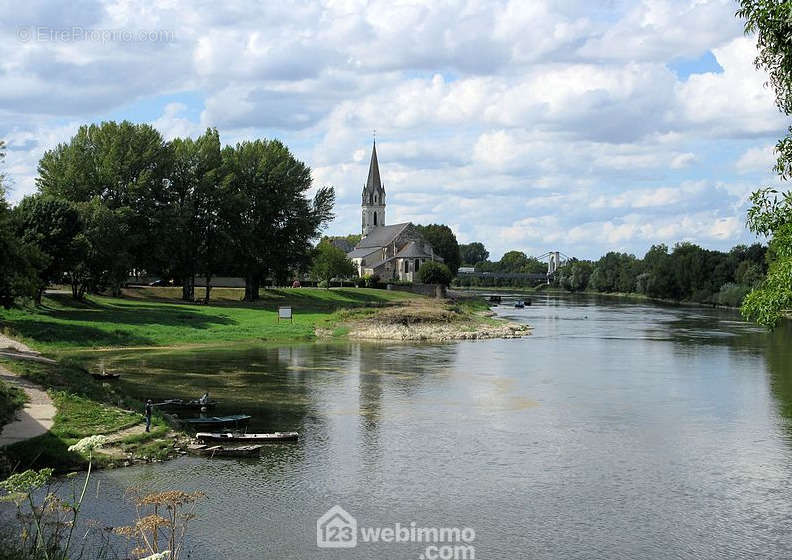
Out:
{"x": 331, "y": 262}
{"x": 52, "y": 225}
{"x": 444, "y": 242}
{"x": 125, "y": 166}
{"x": 771, "y": 215}
{"x": 432, "y": 272}
{"x": 473, "y": 253}
{"x": 274, "y": 222}
{"x": 197, "y": 204}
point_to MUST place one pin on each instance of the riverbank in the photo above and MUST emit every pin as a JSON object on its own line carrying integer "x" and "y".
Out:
{"x": 84, "y": 407}
{"x": 433, "y": 321}
{"x": 64, "y": 330}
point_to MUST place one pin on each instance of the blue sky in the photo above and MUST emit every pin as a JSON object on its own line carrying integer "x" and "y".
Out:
{"x": 574, "y": 126}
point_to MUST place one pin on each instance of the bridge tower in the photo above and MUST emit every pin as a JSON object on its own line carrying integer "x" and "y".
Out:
{"x": 554, "y": 262}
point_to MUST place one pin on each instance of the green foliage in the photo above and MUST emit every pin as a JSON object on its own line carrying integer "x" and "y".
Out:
{"x": 444, "y": 242}
{"x": 275, "y": 222}
{"x": 51, "y": 225}
{"x": 432, "y": 272}
{"x": 473, "y": 253}
{"x": 331, "y": 262}
{"x": 575, "y": 276}
{"x": 732, "y": 294}
{"x": 12, "y": 398}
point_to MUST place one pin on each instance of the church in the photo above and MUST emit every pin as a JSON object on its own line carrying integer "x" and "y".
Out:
{"x": 390, "y": 252}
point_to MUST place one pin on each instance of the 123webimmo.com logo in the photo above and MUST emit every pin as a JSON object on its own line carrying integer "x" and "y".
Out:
{"x": 337, "y": 528}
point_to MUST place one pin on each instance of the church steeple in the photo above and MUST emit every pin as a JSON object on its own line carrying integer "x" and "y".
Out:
{"x": 373, "y": 200}
{"x": 374, "y": 183}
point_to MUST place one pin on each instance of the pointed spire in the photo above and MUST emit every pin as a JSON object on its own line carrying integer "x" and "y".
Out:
{"x": 373, "y": 183}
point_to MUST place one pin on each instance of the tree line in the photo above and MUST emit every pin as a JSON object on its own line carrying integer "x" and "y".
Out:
{"x": 117, "y": 198}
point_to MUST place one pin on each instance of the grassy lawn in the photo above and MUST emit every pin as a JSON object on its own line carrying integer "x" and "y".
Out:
{"x": 84, "y": 407}
{"x": 11, "y": 399}
{"x": 154, "y": 317}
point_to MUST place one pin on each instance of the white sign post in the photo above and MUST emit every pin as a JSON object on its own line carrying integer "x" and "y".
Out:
{"x": 285, "y": 313}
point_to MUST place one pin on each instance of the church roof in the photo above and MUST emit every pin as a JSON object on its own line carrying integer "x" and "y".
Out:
{"x": 361, "y": 252}
{"x": 373, "y": 183}
{"x": 414, "y": 250}
{"x": 381, "y": 236}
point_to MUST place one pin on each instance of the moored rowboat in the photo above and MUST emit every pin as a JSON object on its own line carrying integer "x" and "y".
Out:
{"x": 218, "y": 421}
{"x": 273, "y": 437}
{"x": 221, "y": 451}
{"x": 195, "y": 404}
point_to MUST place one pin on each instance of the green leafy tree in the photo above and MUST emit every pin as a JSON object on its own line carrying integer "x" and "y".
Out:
{"x": 274, "y": 222}
{"x": 433, "y": 272}
{"x": 444, "y": 243}
{"x": 52, "y": 226}
{"x": 331, "y": 262}
{"x": 473, "y": 253}
{"x": 197, "y": 203}
{"x": 125, "y": 166}
{"x": 19, "y": 263}
{"x": 771, "y": 215}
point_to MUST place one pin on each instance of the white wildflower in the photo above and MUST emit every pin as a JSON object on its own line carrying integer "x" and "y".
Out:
{"x": 89, "y": 443}
{"x": 164, "y": 555}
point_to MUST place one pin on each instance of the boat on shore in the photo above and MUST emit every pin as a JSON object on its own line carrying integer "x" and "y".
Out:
{"x": 225, "y": 451}
{"x": 274, "y": 437}
{"x": 106, "y": 376}
{"x": 520, "y": 304}
{"x": 195, "y": 404}
{"x": 234, "y": 420}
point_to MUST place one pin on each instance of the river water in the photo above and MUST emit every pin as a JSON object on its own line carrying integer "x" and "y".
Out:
{"x": 617, "y": 430}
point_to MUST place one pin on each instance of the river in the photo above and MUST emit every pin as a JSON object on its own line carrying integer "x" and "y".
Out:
{"x": 617, "y": 430}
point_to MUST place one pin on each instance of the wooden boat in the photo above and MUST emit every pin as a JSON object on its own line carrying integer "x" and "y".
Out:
{"x": 225, "y": 451}
{"x": 194, "y": 404}
{"x": 274, "y": 437}
{"x": 218, "y": 421}
{"x": 105, "y": 376}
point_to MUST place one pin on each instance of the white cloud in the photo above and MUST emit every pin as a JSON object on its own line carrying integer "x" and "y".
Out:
{"x": 760, "y": 158}
{"x": 523, "y": 123}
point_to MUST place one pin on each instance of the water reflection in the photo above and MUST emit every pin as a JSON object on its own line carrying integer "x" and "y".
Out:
{"x": 618, "y": 430}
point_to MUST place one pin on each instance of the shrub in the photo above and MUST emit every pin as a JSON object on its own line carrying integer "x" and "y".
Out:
{"x": 434, "y": 273}
{"x": 372, "y": 280}
{"x": 732, "y": 294}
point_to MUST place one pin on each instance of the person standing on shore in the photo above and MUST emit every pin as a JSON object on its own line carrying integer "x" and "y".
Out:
{"x": 149, "y": 409}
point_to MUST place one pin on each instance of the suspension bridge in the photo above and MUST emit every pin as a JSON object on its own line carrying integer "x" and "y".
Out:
{"x": 554, "y": 259}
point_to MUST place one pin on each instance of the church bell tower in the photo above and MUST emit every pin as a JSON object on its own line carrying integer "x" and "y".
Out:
{"x": 373, "y": 205}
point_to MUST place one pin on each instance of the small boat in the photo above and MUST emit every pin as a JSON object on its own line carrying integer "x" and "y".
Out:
{"x": 194, "y": 404}
{"x": 495, "y": 299}
{"x": 225, "y": 451}
{"x": 105, "y": 376}
{"x": 273, "y": 437}
{"x": 520, "y": 304}
{"x": 234, "y": 420}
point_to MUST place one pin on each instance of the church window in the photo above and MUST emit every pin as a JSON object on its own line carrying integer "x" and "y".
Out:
{"x": 406, "y": 265}
{"x": 375, "y": 218}
{"x": 417, "y": 264}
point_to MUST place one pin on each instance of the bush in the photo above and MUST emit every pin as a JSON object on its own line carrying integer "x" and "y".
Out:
{"x": 323, "y": 284}
{"x": 434, "y": 273}
{"x": 372, "y": 280}
{"x": 732, "y": 294}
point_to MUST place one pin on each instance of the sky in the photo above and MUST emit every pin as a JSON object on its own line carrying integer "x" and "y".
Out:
{"x": 530, "y": 125}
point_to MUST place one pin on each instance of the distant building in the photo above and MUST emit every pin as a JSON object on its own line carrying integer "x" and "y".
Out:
{"x": 389, "y": 252}
{"x": 466, "y": 270}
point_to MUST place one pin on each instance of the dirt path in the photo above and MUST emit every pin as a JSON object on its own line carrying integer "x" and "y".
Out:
{"x": 36, "y": 417}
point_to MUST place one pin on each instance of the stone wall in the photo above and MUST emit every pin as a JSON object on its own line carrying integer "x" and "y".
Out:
{"x": 431, "y": 290}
